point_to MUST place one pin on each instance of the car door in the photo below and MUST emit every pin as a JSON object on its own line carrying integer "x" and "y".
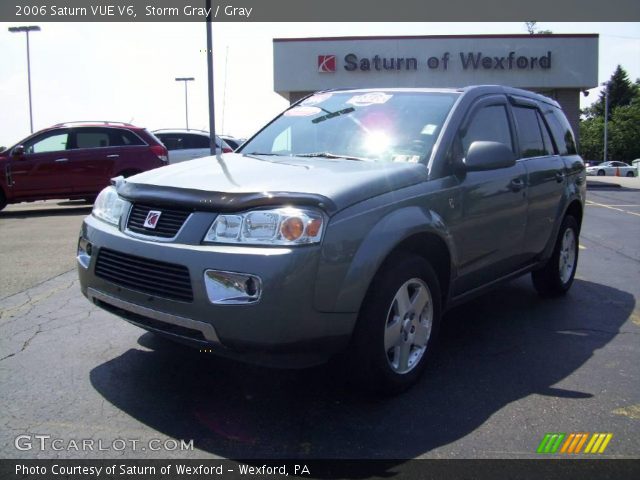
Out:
{"x": 93, "y": 158}
{"x": 546, "y": 174}
{"x": 491, "y": 205}
{"x": 43, "y": 170}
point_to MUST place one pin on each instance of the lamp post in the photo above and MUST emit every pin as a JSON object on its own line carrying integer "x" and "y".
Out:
{"x": 186, "y": 105}
{"x": 27, "y": 29}
{"x": 606, "y": 117}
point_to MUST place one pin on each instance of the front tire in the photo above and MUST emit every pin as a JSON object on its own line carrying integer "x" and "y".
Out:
{"x": 601, "y": 173}
{"x": 397, "y": 326}
{"x": 556, "y": 277}
{"x": 630, "y": 174}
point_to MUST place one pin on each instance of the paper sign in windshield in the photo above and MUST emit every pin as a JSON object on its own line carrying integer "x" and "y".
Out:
{"x": 302, "y": 111}
{"x": 373, "y": 98}
{"x": 316, "y": 99}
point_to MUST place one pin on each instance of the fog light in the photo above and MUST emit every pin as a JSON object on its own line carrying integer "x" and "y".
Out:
{"x": 230, "y": 288}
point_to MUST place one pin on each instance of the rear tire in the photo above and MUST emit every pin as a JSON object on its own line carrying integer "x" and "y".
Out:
{"x": 397, "y": 326}
{"x": 3, "y": 200}
{"x": 556, "y": 277}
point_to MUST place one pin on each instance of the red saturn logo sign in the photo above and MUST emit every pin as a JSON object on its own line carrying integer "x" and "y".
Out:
{"x": 326, "y": 63}
{"x": 152, "y": 219}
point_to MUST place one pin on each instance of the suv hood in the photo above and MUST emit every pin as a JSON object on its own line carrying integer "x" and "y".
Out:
{"x": 236, "y": 181}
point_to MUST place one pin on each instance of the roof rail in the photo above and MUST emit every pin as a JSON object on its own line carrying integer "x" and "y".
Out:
{"x": 92, "y": 122}
{"x": 182, "y": 129}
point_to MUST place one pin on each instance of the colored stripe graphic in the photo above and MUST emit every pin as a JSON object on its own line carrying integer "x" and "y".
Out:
{"x": 550, "y": 443}
{"x": 573, "y": 443}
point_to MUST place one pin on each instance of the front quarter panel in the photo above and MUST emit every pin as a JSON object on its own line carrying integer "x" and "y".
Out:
{"x": 360, "y": 238}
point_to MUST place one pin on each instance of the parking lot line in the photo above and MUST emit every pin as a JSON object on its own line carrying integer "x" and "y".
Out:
{"x": 611, "y": 207}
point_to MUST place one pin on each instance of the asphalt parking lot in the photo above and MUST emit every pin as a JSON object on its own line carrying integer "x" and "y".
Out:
{"x": 511, "y": 367}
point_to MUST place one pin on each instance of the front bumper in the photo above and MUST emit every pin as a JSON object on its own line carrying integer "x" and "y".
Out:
{"x": 282, "y": 328}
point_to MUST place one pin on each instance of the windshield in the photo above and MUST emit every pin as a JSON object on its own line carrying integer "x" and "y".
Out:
{"x": 382, "y": 126}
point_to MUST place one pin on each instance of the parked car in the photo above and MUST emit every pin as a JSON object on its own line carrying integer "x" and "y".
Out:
{"x": 76, "y": 160}
{"x": 612, "y": 168}
{"x": 348, "y": 224}
{"x": 233, "y": 142}
{"x": 186, "y": 144}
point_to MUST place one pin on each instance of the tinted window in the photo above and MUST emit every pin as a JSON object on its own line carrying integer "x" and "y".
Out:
{"x": 172, "y": 141}
{"x": 92, "y": 138}
{"x": 49, "y": 142}
{"x": 529, "y": 133}
{"x": 124, "y": 137}
{"x": 489, "y": 124}
{"x": 197, "y": 141}
{"x": 546, "y": 136}
{"x": 561, "y": 131}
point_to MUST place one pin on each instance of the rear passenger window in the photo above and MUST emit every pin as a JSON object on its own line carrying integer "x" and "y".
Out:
{"x": 125, "y": 137}
{"x": 561, "y": 131}
{"x": 546, "y": 136}
{"x": 529, "y": 133}
{"x": 92, "y": 138}
{"x": 489, "y": 124}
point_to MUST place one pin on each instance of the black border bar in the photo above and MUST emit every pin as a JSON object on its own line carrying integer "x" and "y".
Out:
{"x": 565, "y": 469}
{"x": 31, "y": 11}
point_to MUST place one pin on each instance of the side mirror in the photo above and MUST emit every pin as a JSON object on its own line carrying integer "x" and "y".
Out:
{"x": 18, "y": 151}
{"x": 488, "y": 156}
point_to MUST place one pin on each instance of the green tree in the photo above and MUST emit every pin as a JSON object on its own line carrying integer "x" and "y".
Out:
{"x": 623, "y": 131}
{"x": 621, "y": 92}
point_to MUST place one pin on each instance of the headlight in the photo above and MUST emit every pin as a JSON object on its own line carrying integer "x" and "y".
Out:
{"x": 108, "y": 207}
{"x": 281, "y": 226}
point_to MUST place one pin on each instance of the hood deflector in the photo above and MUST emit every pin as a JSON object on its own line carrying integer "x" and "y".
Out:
{"x": 200, "y": 200}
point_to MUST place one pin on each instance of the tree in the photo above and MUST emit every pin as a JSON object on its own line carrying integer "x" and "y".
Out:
{"x": 531, "y": 28}
{"x": 623, "y": 128}
{"x": 621, "y": 92}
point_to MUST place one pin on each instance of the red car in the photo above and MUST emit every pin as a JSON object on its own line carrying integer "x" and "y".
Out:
{"x": 76, "y": 160}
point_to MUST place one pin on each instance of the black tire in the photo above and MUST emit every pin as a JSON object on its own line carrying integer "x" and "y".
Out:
{"x": 630, "y": 174}
{"x": 3, "y": 200}
{"x": 552, "y": 280}
{"x": 369, "y": 358}
{"x": 601, "y": 173}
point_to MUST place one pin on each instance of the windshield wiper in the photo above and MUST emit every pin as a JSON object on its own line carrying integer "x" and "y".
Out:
{"x": 330, "y": 155}
{"x": 263, "y": 153}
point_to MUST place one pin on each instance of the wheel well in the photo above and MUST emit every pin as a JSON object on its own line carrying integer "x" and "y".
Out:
{"x": 575, "y": 210}
{"x": 435, "y": 251}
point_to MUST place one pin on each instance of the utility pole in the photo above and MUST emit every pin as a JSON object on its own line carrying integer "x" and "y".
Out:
{"x": 27, "y": 29}
{"x": 606, "y": 117}
{"x": 186, "y": 103}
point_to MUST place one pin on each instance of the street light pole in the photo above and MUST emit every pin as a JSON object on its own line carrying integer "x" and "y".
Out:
{"x": 186, "y": 103}
{"x": 606, "y": 117}
{"x": 27, "y": 29}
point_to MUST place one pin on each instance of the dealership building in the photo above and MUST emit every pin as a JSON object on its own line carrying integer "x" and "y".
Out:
{"x": 558, "y": 66}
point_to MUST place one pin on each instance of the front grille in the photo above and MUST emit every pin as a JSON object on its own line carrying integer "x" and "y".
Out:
{"x": 161, "y": 279}
{"x": 170, "y": 222}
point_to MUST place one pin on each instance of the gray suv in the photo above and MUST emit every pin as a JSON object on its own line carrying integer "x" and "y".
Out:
{"x": 347, "y": 225}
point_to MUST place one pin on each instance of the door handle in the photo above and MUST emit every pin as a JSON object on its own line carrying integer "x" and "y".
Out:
{"x": 516, "y": 185}
{"x": 115, "y": 155}
{"x": 559, "y": 177}
{"x": 60, "y": 160}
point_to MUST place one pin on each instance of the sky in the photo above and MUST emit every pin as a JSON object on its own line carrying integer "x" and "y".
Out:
{"x": 126, "y": 71}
